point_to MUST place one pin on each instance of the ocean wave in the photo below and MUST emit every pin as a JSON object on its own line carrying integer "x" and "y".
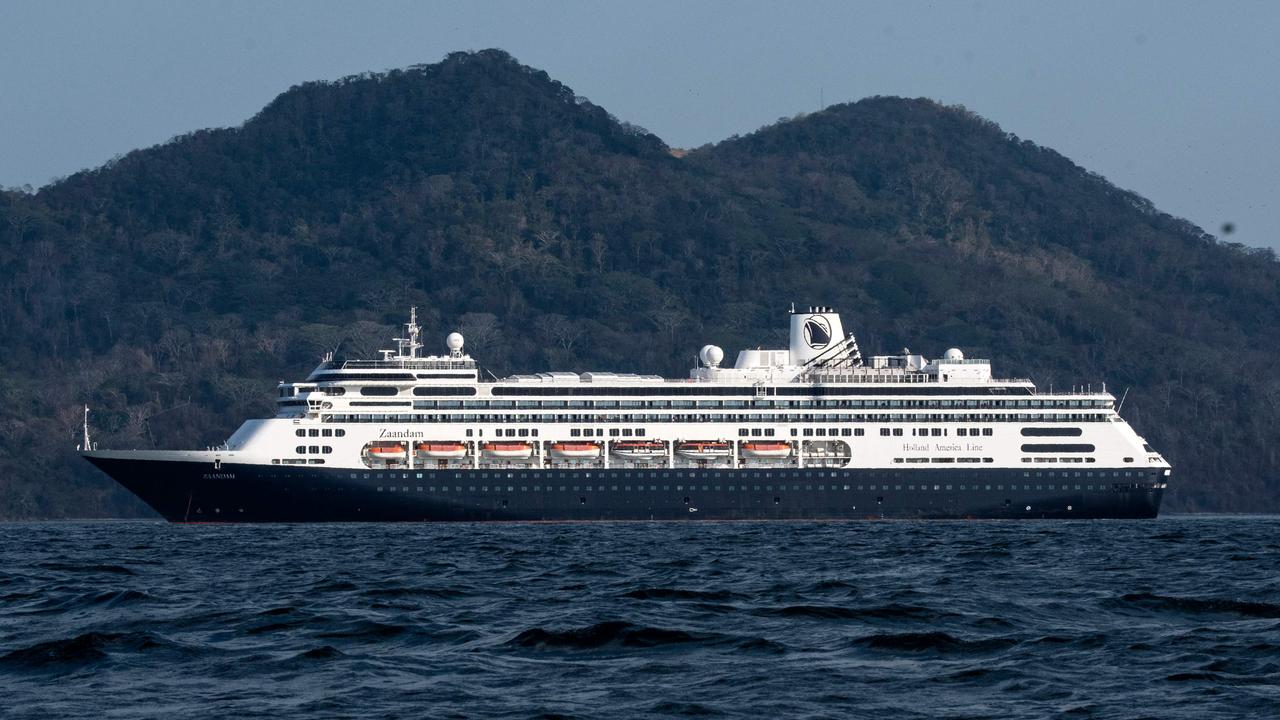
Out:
{"x": 93, "y": 568}
{"x": 364, "y": 630}
{"x": 936, "y": 641}
{"x": 678, "y": 594}
{"x": 1201, "y": 606}
{"x": 86, "y": 649}
{"x": 613, "y": 632}
{"x": 891, "y": 612}
{"x": 637, "y": 620}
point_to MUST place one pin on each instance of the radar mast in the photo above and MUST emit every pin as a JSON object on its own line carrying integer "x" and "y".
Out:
{"x": 412, "y": 343}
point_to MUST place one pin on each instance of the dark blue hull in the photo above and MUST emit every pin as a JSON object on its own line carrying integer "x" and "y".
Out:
{"x": 198, "y": 492}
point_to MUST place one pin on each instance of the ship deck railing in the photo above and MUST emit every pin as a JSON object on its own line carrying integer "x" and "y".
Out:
{"x": 407, "y": 364}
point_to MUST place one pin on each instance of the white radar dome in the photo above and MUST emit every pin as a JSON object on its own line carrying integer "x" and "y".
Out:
{"x": 454, "y": 341}
{"x": 711, "y": 355}
{"x": 953, "y": 354}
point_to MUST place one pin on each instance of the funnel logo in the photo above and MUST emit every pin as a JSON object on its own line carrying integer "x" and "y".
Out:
{"x": 817, "y": 332}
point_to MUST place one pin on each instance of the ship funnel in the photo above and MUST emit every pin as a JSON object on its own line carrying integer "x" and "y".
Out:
{"x": 814, "y": 332}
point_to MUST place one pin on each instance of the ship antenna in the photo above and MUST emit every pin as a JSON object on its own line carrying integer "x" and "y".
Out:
{"x": 411, "y": 342}
{"x": 87, "y": 444}
{"x": 414, "y": 332}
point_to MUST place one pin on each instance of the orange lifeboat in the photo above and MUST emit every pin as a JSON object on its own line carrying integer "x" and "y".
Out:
{"x": 766, "y": 449}
{"x": 441, "y": 450}
{"x": 640, "y": 449}
{"x": 388, "y": 453}
{"x": 507, "y": 450}
{"x": 704, "y": 449}
{"x": 575, "y": 450}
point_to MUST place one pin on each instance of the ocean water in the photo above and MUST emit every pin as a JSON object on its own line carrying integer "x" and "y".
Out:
{"x": 1173, "y": 618}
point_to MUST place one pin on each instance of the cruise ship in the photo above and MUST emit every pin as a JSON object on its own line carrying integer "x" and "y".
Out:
{"x": 812, "y": 431}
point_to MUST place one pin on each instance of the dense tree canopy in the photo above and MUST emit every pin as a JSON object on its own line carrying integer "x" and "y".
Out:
{"x": 171, "y": 288}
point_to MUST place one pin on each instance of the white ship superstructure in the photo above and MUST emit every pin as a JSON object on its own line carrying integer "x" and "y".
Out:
{"x": 813, "y": 410}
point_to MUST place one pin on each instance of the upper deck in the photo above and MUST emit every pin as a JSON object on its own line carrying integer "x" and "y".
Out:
{"x": 821, "y": 369}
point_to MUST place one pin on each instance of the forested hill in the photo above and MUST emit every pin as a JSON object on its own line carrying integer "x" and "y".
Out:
{"x": 171, "y": 288}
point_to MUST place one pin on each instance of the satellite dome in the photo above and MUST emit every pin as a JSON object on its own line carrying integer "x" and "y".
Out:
{"x": 454, "y": 341}
{"x": 953, "y": 354}
{"x": 711, "y": 355}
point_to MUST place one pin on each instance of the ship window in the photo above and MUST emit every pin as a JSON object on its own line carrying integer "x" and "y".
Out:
{"x": 448, "y": 391}
{"x": 1052, "y": 432}
{"x": 1057, "y": 447}
{"x": 884, "y": 432}
{"x": 743, "y": 432}
{"x": 768, "y": 432}
{"x": 300, "y": 432}
{"x": 300, "y": 449}
{"x": 986, "y": 431}
{"x": 613, "y": 432}
{"x": 327, "y": 450}
{"x": 339, "y": 433}
{"x": 524, "y": 432}
{"x": 897, "y": 432}
{"x": 575, "y": 432}
{"x": 936, "y": 432}
{"x": 378, "y": 391}
{"x": 961, "y": 432}
{"x": 313, "y": 432}
{"x": 808, "y": 432}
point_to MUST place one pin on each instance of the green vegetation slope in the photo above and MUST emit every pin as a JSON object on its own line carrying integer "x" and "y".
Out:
{"x": 171, "y": 288}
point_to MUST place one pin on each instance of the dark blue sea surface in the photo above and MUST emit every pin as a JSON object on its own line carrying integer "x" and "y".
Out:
{"x": 1172, "y": 618}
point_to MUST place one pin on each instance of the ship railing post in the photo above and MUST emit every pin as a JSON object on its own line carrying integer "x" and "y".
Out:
{"x": 799, "y": 453}
{"x": 671, "y": 453}
{"x": 734, "y": 455}
{"x": 606, "y": 454}
{"x": 475, "y": 454}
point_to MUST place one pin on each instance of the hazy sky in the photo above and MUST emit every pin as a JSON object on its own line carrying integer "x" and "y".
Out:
{"x": 1178, "y": 101}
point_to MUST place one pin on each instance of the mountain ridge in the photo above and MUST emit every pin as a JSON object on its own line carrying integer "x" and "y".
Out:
{"x": 170, "y": 288}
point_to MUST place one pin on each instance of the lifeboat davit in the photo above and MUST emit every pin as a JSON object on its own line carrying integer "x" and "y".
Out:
{"x": 640, "y": 449}
{"x": 389, "y": 453}
{"x": 704, "y": 449}
{"x": 441, "y": 450}
{"x": 575, "y": 450}
{"x": 766, "y": 449}
{"x": 507, "y": 450}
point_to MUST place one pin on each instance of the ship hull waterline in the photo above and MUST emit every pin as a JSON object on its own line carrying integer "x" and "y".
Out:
{"x": 232, "y": 493}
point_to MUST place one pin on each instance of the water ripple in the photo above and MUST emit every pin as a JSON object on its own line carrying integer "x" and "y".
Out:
{"x": 1176, "y": 618}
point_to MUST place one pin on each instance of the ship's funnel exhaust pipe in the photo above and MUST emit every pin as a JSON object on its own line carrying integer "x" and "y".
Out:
{"x": 813, "y": 332}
